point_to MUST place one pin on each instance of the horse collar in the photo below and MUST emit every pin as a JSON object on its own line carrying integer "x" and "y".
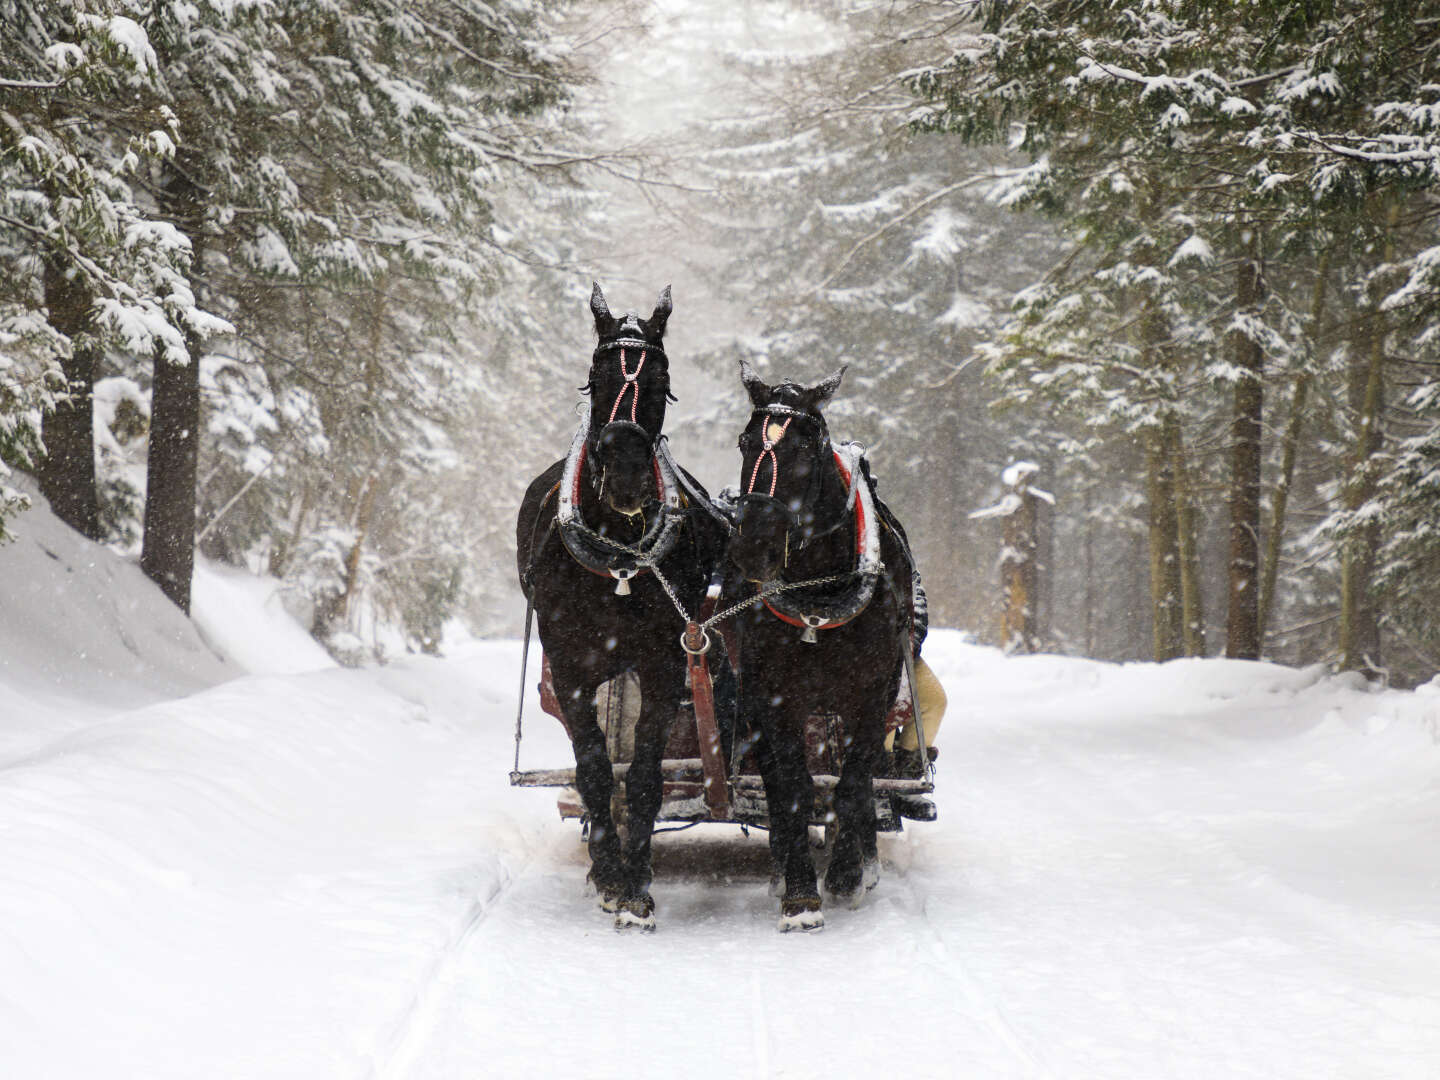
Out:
{"x": 813, "y": 613}
{"x": 600, "y": 554}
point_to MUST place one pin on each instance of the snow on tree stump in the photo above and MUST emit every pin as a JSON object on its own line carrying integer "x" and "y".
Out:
{"x": 1018, "y": 508}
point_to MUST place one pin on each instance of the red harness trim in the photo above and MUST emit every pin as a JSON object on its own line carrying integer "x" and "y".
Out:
{"x": 859, "y": 547}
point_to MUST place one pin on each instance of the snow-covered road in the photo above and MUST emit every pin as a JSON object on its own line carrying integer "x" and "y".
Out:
{"x": 1200, "y": 869}
{"x": 1196, "y": 871}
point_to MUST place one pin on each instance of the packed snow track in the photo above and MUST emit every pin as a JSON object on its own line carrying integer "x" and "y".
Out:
{"x": 1197, "y": 869}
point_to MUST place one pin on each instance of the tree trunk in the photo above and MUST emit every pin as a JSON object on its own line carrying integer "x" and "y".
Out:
{"x": 168, "y": 548}
{"x": 1192, "y": 598}
{"x": 1166, "y": 604}
{"x": 1088, "y": 552}
{"x": 1242, "y": 624}
{"x": 332, "y": 610}
{"x": 1019, "y": 571}
{"x": 285, "y": 546}
{"x": 1165, "y": 600}
{"x": 1359, "y": 613}
{"x": 67, "y": 472}
{"x": 362, "y": 529}
{"x": 1274, "y": 538}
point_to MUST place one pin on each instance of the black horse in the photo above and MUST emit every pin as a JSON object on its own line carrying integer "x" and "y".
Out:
{"x": 829, "y": 638}
{"x": 599, "y": 536}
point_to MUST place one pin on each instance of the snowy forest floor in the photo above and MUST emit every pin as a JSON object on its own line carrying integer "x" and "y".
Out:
{"x": 1198, "y": 869}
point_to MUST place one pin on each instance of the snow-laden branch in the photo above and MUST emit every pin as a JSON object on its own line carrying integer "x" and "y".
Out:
{"x": 28, "y": 84}
{"x": 933, "y": 197}
{"x": 1429, "y": 155}
{"x": 97, "y": 274}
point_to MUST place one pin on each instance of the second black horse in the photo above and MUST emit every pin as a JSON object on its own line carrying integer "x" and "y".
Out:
{"x": 828, "y": 638}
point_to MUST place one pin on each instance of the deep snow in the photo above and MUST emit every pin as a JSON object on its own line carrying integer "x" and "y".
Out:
{"x": 1198, "y": 869}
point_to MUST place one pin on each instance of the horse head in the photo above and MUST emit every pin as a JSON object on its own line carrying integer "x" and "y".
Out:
{"x": 629, "y": 387}
{"x": 788, "y": 482}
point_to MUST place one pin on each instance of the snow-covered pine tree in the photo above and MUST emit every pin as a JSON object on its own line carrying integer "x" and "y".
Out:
{"x": 1247, "y": 115}
{"x": 88, "y": 266}
{"x": 336, "y": 163}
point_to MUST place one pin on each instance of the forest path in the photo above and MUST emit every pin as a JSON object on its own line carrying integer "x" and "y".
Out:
{"x": 1125, "y": 881}
{"x": 715, "y": 990}
{"x": 1184, "y": 871}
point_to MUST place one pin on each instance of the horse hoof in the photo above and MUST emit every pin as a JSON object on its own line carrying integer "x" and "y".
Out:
{"x": 635, "y": 913}
{"x": 870, "y": 876}
{"x": 802, "y": 914}
{"x": 851, "y": 892}
{"x": 607, "y": 897}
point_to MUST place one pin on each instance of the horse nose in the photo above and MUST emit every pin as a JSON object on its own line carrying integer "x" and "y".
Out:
{"x": 754, "y": 561}
{"x": 757, "y": 548}
{"x": 623, "y": 451}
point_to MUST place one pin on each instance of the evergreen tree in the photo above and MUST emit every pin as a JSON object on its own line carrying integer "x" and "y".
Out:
{"x": 90, "y": 267}
{"x": 1258, "y": 130}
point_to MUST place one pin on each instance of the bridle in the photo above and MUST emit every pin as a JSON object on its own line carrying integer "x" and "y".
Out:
{"x": 630, "y": 383}
{"x": 768, "y": 448}
{"x": 772, "y": 414}
{"x": 630, "y": 379}
{"x": 596, "y": 552}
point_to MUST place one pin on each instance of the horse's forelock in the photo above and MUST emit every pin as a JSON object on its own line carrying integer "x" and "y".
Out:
{"x": 794, "y": 397}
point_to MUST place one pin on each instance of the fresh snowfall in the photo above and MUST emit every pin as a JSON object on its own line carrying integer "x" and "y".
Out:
{"x": 222, "y": 856}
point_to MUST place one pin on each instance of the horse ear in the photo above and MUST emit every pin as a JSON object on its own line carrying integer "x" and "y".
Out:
{"x": 817, "y": 395}
{"x": 604, "y": 321}
{"x": 661, "y": 314}
{"x": 759, "y": 392}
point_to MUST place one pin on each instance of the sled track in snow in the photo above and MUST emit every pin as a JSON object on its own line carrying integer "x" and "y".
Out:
{"x": 982, "y": 1001}
{"x": 413, "y": 1027}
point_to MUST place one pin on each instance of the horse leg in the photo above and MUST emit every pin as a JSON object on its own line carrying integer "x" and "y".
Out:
{"x": 855, "y": 862}
{"x": 644, "y": 792}
{"x": 776, "y": 825}
{"x": 791, "y": 798}
{"x": 595, "y": 780}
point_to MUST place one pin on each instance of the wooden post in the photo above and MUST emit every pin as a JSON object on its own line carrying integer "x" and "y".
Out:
{"x": 1019, "y": 562}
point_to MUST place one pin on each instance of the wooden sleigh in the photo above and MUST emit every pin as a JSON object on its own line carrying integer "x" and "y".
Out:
{"x": 701, "y": 781}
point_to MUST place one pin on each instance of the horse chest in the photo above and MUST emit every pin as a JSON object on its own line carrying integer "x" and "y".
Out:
{"x": 588, "y": 605}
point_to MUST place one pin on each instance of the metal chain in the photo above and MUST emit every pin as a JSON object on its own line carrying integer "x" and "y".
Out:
{"x": 642, "y": 558}
{"x": 765, "y": 594}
